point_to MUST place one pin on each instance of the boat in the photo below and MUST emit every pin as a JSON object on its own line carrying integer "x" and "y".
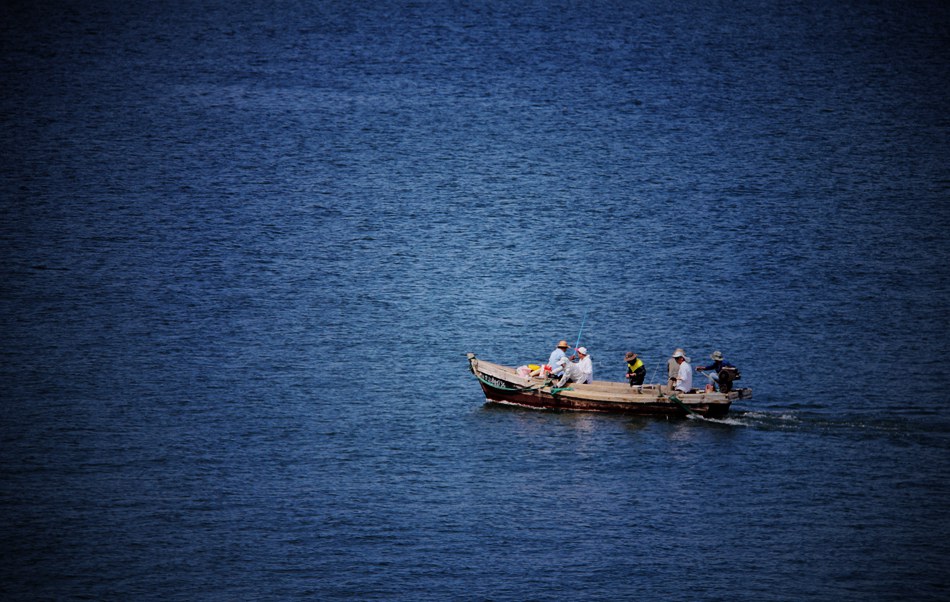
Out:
{"x": 504, "y": 385}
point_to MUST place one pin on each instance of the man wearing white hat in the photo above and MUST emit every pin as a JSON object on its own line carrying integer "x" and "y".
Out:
{"x": 673, "y": 368}
{"x": 684, "y": 376}
{"x": 581, "y": 372}
{"x": 585, "y": 366}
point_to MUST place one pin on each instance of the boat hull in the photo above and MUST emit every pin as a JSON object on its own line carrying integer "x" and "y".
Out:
{"x": 503, "y": 385}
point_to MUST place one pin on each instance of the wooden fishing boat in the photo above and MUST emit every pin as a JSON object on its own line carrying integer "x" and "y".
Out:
{"x": 503, "y": 385}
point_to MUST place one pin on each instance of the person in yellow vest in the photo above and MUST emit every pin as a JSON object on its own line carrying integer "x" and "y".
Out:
{"x": 636, "y": 371}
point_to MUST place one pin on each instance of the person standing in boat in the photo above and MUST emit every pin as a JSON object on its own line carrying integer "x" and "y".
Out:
{"x": 673, "y": 368}
{"x": 723, "y": 373}
{"x": 580, "y": 372}
{"x": 636, "y": 371}
{"x": 684, "y": 376}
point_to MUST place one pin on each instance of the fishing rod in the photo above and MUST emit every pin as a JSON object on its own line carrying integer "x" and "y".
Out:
{"x": 584, "y": 321}
{"x": 656, "y": 367}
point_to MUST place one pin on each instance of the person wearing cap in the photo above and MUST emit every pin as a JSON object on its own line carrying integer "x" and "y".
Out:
{"x": 580, "y": 372}
{"x": 557, "y": 369}
{"x": 636, "y": 371}
{"x": 585, "y": 365}
{"x": 684, "y": 376}
{"x": 673, "y": 368}
{"x": 723, "y": 372}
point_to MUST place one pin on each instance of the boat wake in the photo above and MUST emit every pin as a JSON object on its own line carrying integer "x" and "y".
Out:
{"x": 729, "y": 421}
{"x": 753, "y": 419}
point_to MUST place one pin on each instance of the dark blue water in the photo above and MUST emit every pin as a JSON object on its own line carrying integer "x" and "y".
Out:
{"x": 247, "y": 245}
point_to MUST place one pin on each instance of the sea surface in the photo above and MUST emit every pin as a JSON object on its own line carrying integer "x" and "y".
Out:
{"x": 247, "y": 245}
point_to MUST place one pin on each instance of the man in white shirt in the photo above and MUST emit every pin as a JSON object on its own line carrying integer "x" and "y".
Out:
{"x": 581, "y": 372}
{"x": 684, "y": 376}
{"x": 673, "y": 368}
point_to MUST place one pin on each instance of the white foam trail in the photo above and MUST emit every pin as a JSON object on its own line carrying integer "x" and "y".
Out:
{"x": 731, "y": 421}
{"x": 765, "y": 416}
